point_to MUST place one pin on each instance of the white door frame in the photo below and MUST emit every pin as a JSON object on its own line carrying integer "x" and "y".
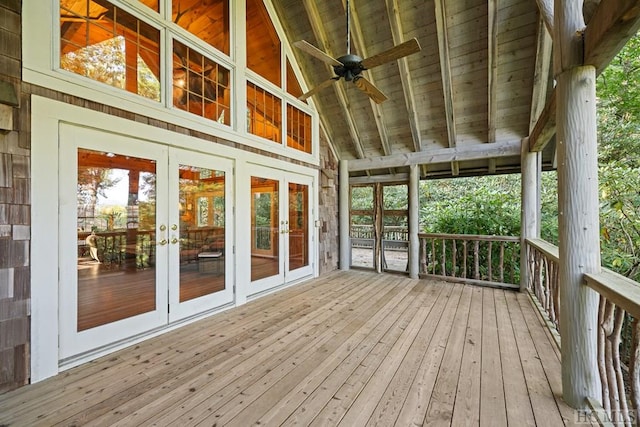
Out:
{"x": 47, "y": 116}
{"x": 74, "y": 343}
{"x": 284, "y": 276}
{"x": 181, "y": 310}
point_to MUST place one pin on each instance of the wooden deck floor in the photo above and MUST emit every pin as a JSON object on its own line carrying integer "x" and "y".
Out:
{"x": 347, "y": 349}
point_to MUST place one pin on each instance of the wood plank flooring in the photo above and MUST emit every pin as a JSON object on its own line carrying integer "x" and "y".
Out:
{"x": 347, "y": 349}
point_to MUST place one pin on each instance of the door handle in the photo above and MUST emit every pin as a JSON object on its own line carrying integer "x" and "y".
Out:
{"x": 174, "y": 240}
{"x": 163, "y": 242}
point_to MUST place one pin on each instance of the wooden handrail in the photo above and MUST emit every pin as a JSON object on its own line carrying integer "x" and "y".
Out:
{"x": 551, "y": 251}
{"x": 480, "y": 237}
{"x": 618, "y": 328}
{"x": 473, "y": 259}
{"x": 620, "y": 290}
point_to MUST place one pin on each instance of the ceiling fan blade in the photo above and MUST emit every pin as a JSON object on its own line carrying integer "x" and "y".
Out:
{"x": 367, "y": 87}
{"x": 396, "y": 52}
{"x": 314, "y": 51}
{"x": 318, "y": 88}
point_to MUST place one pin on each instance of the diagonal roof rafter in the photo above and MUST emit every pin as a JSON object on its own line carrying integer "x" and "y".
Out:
{"x": 321, "y": 36}
{"x": 445, "y": 71}
{"x": 357, "y": 40}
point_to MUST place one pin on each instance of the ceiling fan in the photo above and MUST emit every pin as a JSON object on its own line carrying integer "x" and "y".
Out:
{"x": 350, "y": 67}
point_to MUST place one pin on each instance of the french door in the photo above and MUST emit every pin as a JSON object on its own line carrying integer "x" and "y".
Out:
{"x": 142, "y": 232}
{"x": 281, "y": 228}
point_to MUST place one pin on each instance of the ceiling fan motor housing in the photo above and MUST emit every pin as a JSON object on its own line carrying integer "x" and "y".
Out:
{"x": 351, "y": 67}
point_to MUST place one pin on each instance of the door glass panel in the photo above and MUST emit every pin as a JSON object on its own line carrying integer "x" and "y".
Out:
{"x": 362, "y": 227}
{"x": 202, "y": 231}
{"x": 116, "y": 224}
{"x": 395, "y": 233}
{"x": 298, "y": 226}
{"x": 265, "y": 256}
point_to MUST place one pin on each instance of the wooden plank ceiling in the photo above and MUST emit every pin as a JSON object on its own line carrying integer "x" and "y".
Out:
{"x": 480, "y": 81}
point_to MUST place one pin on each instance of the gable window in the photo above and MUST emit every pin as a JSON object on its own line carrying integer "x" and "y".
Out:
{"x": 263, "y": 43}
{"x": 265, "y": 113}
{"x": 200, "y": 85}
{"x": 206, "y": 19}
{"x": 152, "y": 4}
{"x": 104, "y": 43}
{"x": 293, "y": 86}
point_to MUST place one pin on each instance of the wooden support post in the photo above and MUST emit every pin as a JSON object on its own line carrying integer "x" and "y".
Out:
{"x": 530, "y": 206}
{"x": 345, "y": 240}
{"x": 579, "y": 232}
{"x": 378, "y": 228}
{"x": 414, "y": 222}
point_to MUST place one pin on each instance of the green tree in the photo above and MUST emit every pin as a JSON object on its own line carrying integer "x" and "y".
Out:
{"x": 618, "y": 92}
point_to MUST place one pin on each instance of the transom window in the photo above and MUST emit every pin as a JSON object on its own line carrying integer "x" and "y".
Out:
{"x": 200, "y": 85}
{"x": 107, "y": 44}
{"x": 123, "y": 45}
{"x": 265, "y": 113}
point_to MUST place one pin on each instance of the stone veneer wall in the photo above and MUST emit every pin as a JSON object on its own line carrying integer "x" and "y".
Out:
{"x": 328, "y": 209}
{"x": 15, "y": 200}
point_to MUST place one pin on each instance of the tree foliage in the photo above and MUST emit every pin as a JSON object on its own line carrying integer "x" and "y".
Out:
{"x": 618, "y": 90}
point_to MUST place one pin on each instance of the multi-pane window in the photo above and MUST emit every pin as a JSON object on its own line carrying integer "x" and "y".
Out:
{"x": 103, "y": 42}
{"x": 206, "y": 19}
{"x": 298, "y": 129}
{"x": 120, "y": 45}
{"x": 264, "y": 113}
{"x": 200, "y": 85}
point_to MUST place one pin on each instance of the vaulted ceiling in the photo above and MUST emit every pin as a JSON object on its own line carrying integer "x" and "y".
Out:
{"x": 461, "y": 106}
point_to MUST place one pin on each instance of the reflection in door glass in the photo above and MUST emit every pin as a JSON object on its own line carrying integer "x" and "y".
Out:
{"x": 298, "y": 226}
{"x": 202, "y": 236}
{"x": 116, "y": 237}
{"x": 264, "y": 228}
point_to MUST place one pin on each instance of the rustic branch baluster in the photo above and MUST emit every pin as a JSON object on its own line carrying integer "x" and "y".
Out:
{"x": 423, "y": 256}
{"x": 634, "y": 367}
{"x": 490, "y": 261}
{"x": 454, "y": 255}
{"x": 464, "y": 262}
{"x": 476, "y": 260}
{"x": 444, "y": 258}
{"x": 502, "y": 261}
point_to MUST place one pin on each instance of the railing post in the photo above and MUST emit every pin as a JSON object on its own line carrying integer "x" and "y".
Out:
{"x": 345, "y": 241}
{"x": 579, "y": 233}
{"x": 414, "y": 222}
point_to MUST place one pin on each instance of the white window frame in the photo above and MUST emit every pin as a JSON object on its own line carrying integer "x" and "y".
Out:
{"x": 40, "y": 67}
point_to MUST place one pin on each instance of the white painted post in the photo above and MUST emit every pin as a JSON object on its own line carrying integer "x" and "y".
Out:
{"x": 530, "y": 206}
{"x": 579, "y": 231}
{"x": 414, "y": 222}
{"x": 343, "y": 209}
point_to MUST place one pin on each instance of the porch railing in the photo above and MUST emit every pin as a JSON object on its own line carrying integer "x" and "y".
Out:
{"x": 618, "y": 329}
{"x": 486, "y": 260}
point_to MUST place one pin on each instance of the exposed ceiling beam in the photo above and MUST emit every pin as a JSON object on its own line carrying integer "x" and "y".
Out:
{"x": 544, "y": 52}
{"x": 545, "y": 126}
{"x": 321, "y": 36}
{"x": 405, "y": 75}
{"x": 387, "y": 179}
{"x": 546, "y": 13}
{"x": 612, "y": 25}
{"x": 378, "y": 115}
{"x": 492, "y": 103}
{"x": 443, "y": 155}
{"x": 445, "y": 72}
